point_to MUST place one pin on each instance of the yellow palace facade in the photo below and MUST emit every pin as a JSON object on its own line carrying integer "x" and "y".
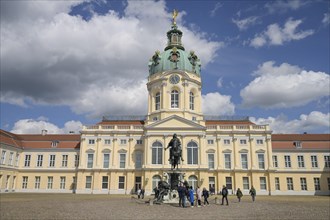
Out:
{"x": 121, "y": 154}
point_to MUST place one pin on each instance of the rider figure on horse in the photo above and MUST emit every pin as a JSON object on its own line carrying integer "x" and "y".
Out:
{"x": 175, "y": 145}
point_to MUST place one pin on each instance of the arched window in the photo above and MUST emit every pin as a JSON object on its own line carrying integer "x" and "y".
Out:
{"x": 174, "y": 99}
{"x": 192, "y": 180}
{"x": 155, "y": 180}
{"x": 192, "y": 151}
{"x": 157, "y": 101}
{"x": 191, "y": 101}
{"x": 157, "y": 153}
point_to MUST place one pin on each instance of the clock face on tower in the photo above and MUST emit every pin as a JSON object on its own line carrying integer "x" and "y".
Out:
{"x": 174, "y": 79}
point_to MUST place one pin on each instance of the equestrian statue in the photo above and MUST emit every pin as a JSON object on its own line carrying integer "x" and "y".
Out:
{"x": 175, "y": 152}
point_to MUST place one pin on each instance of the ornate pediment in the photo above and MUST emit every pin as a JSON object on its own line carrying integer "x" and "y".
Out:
{"x": 175, "y": 122}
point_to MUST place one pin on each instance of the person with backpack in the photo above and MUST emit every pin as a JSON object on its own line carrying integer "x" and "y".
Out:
{"x": 205, "y": 194}
{"x": 239, "y": 194}
{"x": 224, "y": 193}
{"x": 253, "y": 193}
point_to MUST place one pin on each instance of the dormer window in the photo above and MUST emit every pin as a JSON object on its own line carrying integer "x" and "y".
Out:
{"x": 297, "y": 144}
{"x": 54, "y": 143}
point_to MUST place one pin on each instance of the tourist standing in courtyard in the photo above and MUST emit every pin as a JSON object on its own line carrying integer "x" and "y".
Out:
{"x": 182, "y": 195}
{"x": 239, "y": 194}
{"x": 138, "y": 192}
{"x": 224, "y": 193}
{"x": 253, "y": 193}
{"x": 191, "y": 196}
{"x": 206, "y": 196}
{"x": 199, "y": 196}
{"x": 142, "y": 193}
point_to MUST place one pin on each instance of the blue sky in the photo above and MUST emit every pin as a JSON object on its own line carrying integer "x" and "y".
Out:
{"x": 68, "y": 63}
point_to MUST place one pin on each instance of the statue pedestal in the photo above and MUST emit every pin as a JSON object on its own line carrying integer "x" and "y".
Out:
{"x": 175, "y": 177}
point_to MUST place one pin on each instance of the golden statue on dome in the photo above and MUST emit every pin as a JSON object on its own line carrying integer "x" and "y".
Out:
{"x": 175, "y": 14}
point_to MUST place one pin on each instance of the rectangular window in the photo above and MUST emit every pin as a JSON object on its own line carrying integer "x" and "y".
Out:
{"x": 328, "y": 183}
{"x": 327, "y": 161}
{"x": 3, "y": 157}
{"x": 246, "y": 184}
{"x": 90, "y": 160}
{"x": 211, "y": 161}
{"x": 37, "y": 182}
{"x": 226, "y": 141}
{"x": 227, "y": 161}
{"x": 121, "y": 182}
{"x": 314, "y": 161}
{"x": 303, "y": 183}
{"x": 317, "y": 183}
{"x": 210, "y": 142}
{"x": 106, "y": 160}
{"x": 91, "y": 141}
{"x": 39, "y": 160}
{"x": 263, "y": 185}
{"x": 105, "y": 181}
{"x": 275, "y": 161}
{"x": 27, "y": 160}
{"x": 261, "y": 161}
{"x": 212, "y": 184}
{"x": 123, "y": 141}
{"x": 122, "y": 160}
{"x": 11, "y": 157}
{"x": 297, "y": 144}
{"x": 229, "y": 183}
{"x": 50, "y": 182}
{"x": 289, "y": 183}
{"x": 107, "y": 141}
{"x": 243, "y": 142}
{"x": 139, "y": 142}
{"x": 260, "y": 141}
{"x": 17, "y": 159}
{"x": 62, "y": 182}
{"x": 52, "y": 160}
{"x": 287, "y": 161}
{"x": 157, "y": 101}
{"x": 25, "y": 182}
{"x": 301, "y": 162}
{"x": 76, "y": 160}
{"x": 88, "y": 182}
{"x": 244, "y": 160}
{"x": 138, "y": 160}
{"x": 277, "y": 183}
{"x": 65, "y": 160}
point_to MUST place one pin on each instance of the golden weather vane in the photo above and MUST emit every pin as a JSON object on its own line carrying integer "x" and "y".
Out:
{"x": 175, "y": 14}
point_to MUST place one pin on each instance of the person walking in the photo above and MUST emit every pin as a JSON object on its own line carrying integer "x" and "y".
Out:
{"x": 239, "y": 194}
{"x": 224, "y": 193}
{"x": 199, "y": 196}
{"x": 253, "y": 193}
{"x": 205, "y": 194}
{"x": 191, "y": 196}
{"x": 142, "y": 193}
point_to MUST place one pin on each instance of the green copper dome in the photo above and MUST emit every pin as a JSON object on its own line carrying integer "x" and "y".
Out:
{"x": 174, "y": 56}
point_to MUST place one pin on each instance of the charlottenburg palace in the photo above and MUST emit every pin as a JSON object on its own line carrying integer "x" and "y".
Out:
{"x": 121, "y": 154}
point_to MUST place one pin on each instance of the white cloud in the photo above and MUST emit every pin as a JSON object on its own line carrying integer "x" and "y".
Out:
{"x": 219, "y": 83}
{"x": 32, "y": 126}
{"x": 284, "y": 86}
{"x": 215, "y": 9}
{"x": 314, "y": 122}
{"x": 283, "y": 6}
{"x": 217, "y": 104}
{"x": 275, "y": 35}
{"x": 244, "y": 24}
{"x": 66, "y": 60}
{"x": 326, "y": 19}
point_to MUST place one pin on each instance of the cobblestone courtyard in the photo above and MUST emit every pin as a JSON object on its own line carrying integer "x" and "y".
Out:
{"x": 71, "y": 206}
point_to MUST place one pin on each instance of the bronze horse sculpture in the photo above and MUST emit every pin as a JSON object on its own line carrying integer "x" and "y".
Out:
{"x": 175, "y": 152}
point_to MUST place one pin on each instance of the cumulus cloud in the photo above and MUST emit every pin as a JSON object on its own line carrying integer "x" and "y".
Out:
{"x": 35, "y": 126}
{"x": 275, "y": 35}
{"x": 313, "y": 122}
{"x": 53, "y": 58}
{"x": 245, "y": 23}
{"x": 217, "y": 104}
{"x": 284, "y": 86}
{"x": 283, "y": 6}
